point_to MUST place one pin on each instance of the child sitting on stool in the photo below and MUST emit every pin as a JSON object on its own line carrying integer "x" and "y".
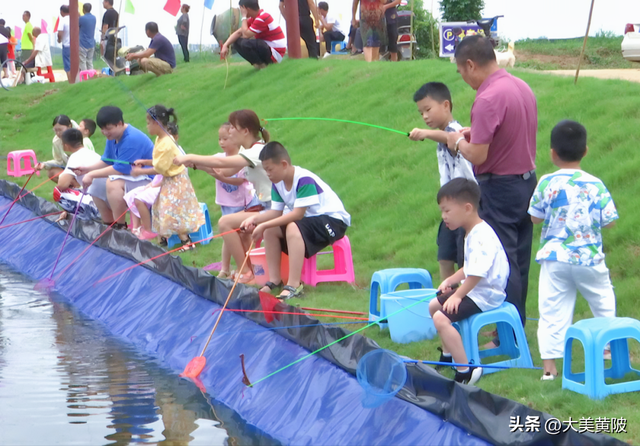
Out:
{"x": 483, "y": 276}
{"x": 317, "y": 218}
{"x": 574, "y": 207}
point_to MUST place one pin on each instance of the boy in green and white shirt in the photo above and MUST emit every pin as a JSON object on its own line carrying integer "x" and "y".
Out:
{"x": 316, "y": 218}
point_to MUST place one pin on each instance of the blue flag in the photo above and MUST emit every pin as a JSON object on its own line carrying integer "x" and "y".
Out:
{"x": 208, "y": 4}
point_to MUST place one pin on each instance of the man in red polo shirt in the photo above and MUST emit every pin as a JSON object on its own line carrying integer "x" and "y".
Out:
{"x": 501, "y": 144}
{"x": 260, "y": 41}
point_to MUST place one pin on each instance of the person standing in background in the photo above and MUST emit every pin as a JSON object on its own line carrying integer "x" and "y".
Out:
{"x": 307, "y": 31}
{"x": 109, "y": 20}
{"x": 65, "y": 39}
{"x": 373, "y": 27}
{"x": 87, "y": 38}
{"x": 5, "y": 35}
{"x": 182, "y": 29}
{"x": 28, "y": 40}
{"x": 391, "y": 14}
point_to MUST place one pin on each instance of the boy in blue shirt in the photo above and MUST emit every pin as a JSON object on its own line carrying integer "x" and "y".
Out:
{"x": 573, "y": 207}
{"x": 107, "y": 181}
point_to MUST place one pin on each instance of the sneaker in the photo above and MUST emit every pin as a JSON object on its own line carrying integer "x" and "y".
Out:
{"x": 146, "y": 235}
{"x": 443, "y": 358}
{"x": 470, "y": 377}
{"x": 548, "y": 377}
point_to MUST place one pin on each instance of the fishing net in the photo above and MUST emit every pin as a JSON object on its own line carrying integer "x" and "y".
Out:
{"x": 382, "y": 374}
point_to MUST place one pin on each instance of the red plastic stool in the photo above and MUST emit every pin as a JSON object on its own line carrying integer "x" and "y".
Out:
{"x": 342, "y": 266}
{"x": 49, "y": 74}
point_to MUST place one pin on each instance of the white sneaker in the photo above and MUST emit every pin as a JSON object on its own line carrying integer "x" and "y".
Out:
{"x": 548, "y": 377}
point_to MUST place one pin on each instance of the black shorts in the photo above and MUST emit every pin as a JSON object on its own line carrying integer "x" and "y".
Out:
{"x": 317, "y": 233}
{"x": 392, "y": 34}
{"x": 466, "y": 309}
{"x": 4, "y": 53}
{"x": 451, "y": 244}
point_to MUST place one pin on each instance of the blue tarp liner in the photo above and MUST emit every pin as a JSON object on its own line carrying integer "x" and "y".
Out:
{"x": 161, "y": 309}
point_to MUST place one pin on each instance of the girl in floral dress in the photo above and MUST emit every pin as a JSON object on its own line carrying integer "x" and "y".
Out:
{"x": 176, "y": 210}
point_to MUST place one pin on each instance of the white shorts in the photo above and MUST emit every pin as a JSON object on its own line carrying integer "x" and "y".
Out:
{"x": 98, "y": 188}
{"x": 557, "y": 291}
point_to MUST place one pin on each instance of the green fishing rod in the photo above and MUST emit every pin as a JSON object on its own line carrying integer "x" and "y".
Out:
{"x": 339, "y": 120}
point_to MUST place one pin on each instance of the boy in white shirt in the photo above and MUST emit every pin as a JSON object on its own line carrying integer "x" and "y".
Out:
{"x": 67, "y": 193}
{"x": 332, "y": 31}
{"x": 482, "y": 280}
{"x": 316, "y": 218}
{"x": 573, "y": 207}
{"x": 435, "y": 106}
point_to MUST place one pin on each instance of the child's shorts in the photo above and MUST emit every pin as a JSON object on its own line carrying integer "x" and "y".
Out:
{"x": 226, "y": 210}
{"x": 466, "y": 309}
{"x": 147, "y": 196}
{"x": 451, "y": 244}
{"x": 317, "y": 233}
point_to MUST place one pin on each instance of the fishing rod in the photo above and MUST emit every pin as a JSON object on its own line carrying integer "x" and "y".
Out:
{"x": 339, "y": 120}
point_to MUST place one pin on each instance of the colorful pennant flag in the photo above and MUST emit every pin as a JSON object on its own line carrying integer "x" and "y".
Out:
{"x": 43, "y": 27}
{"x": 208, "y": 4}
{"x": 18, "y": 32}
{"x": 55, "y": 27}
{"x": 172, "y": 7}
{"x": 80, "y": 6}
{"x": 129, "y": 8}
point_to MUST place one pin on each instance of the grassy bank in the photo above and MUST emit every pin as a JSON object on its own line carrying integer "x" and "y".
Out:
{"x": 387, "y": 182}
{"x": 603, "y": 51}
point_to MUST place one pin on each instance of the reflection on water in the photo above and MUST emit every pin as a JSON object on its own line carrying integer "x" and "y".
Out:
{"x": 65, "y": 380}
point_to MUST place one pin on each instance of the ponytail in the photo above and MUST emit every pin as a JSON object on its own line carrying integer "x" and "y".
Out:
{"x": 265, "y": 134}
{"x": 162, "y": 115}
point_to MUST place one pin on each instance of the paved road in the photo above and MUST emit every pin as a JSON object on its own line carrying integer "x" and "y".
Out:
{"x": 632, "y": 75}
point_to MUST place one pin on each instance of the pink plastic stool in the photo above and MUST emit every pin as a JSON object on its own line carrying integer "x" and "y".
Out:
{"x": 17, "y": 157}
{"x": 342, "y": 270}
{"x": 87, "y": 74}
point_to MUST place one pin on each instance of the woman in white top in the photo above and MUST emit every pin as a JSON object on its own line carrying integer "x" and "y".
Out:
{"x": 248, "y": 133}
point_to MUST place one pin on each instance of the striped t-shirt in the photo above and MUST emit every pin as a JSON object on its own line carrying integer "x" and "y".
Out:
{"x": 266, "y": 29}
{"x": 309, "y": 191}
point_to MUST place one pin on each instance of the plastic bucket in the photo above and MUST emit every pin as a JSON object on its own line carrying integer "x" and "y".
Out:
{"x": 381, "y": 374}
{"x": 414, "y": 323}
{"x": 258, "y": 259}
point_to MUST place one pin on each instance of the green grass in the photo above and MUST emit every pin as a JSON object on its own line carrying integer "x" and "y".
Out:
{"x": 603, "y": 51}
{"x": 387, "y": 182}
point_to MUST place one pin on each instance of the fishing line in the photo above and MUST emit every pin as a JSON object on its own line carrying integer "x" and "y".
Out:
{"x": 92, "y": 243}
{"x": 31, "y": 219}
{"x": 17, "y": 198}
{"x": 164, "y": 254}
{"x": 286, "y": 327}
{"x": 454, "y": 364}
{"x": 299, "y": 314}
{"x": 35, "y": 188}
{"x": 343, "y": 338}
{"x": 339, "y": 120}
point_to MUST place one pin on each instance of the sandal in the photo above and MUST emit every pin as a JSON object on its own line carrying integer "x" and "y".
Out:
{"x": 272, "y": 286}
{"x": 164, "y": 242}
{"x": 223, "y": 275}
{"x": 187, "y": 245}
{"x": 247, "y": 278}
{"x": 293, "y": 292}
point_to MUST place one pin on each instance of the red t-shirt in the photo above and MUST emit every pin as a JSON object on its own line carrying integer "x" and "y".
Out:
{"x": 505, "y": 116}
{"x": 266, "y": 29}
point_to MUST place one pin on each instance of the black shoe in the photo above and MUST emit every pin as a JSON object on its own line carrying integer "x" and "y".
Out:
{"x": 443, "y": 358}
{"x": 120, "y": 226}
{"x": 163, "y": 242}
{"x": 470, "y": 377}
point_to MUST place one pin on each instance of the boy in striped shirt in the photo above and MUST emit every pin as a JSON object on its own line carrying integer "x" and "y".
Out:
{"x": 260, "y": 41}
{"x": 314, "y": 218}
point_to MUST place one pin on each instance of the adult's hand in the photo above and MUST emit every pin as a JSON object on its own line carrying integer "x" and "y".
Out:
{"x": 466, "y": 132}
{"x": 87, "y": 181}
{"x": 180, "y": 160}
{"x": 81, "y": 170}
{"x": 139, "y": 163}
{"x": 224, "y": 51}
{"x": 243, "y": 11}
{"x": 354, "y": 23}
{"x": 39, "y": 166}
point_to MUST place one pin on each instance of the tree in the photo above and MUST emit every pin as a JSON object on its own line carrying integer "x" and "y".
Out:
{"x": 461, "y": 10}
{"x": 425, "y": 29}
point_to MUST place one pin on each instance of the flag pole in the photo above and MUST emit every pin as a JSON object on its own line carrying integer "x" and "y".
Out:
{"x": 433, "y": 37}
{"x": 584, "y": 44}
{"x": 204, "y": 8}
{"x": 115, "y": 43}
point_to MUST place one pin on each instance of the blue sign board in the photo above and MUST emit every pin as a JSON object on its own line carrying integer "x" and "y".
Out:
{"x": 452, "y": 32}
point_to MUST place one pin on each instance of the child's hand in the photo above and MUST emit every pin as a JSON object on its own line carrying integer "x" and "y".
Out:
{"x": 139, "y": 163}
{"x": 39, "y": 166}
{"x": 248, "y": 225}
{"x": 417, "y": 135}
{"x": 258, "y": 233}
{"x": 452, "y": 304}
{"x": 445, "y": 286}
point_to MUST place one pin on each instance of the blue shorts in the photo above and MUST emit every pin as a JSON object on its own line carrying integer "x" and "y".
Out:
{"x": 226, "y": 210}
{"x": 66, "y": 58}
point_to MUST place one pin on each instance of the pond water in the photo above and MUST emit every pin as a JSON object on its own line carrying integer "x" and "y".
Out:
{"x": 64, "y": 379}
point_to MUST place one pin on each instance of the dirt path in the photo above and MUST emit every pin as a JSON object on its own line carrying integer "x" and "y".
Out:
{"x": 632, "y": 75}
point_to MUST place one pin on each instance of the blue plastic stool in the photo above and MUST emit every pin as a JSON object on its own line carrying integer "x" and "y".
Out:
{"x": 595, "y": 334}
{"x": 107, "y": 71}
{"x": 342, "y": 45}
{"x": 508, "y": 322}
{"x": 388, "y": 280}
{"x": 205, "y": 230}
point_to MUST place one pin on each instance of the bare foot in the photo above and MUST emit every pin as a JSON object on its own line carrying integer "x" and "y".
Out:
{"x": 62, "y": 216}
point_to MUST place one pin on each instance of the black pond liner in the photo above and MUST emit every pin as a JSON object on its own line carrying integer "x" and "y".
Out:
{"x": 478, "y": 412}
